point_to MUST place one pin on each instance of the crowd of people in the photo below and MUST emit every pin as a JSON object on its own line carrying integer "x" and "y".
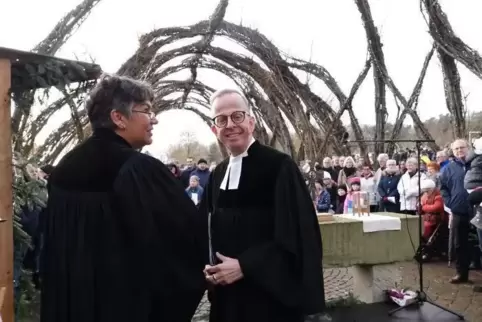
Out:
{"x": 450, "y": 195}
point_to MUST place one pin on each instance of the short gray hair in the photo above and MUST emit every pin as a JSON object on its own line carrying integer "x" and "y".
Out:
{"x": 118, "y": 93}
{"x": 226, "y": 91}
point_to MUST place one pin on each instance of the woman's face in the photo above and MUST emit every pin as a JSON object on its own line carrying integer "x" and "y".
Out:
{"x": 402, "y": 165}
{"x": 341, "y": 192}
{"x": 366, "y": 171}
{"x": 431, "y": 171}
{"x": 137, "y": 129}
{"x": 349, "y": 164}
{"x": 355, "y": 187}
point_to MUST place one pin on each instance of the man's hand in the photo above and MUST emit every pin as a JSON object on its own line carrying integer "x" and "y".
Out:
{"x": 225, "y": 273}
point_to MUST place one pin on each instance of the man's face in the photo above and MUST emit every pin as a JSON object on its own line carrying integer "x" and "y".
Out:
{"x": 189, "y": 162}
{"x": 336, "y": 161}
{"x": 342, "y": 161}
{"x": 233, "y": 125}
{"x": 202, "y": 166}
{"x": 361, "y": 161}
{"x": 440, "y": 158}
{"x": 326, "y": 163}
{"x": 391, "y": 167}
{"x": 460, "y": 149}
{"x": 366, "y": 171}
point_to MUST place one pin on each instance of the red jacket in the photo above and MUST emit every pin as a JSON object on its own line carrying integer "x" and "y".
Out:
{"x": 433, "y": 207}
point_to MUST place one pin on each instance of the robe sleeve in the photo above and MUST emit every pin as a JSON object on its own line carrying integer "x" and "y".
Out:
{"x": 161, "y": 225}
{"x": 290, "y": 266}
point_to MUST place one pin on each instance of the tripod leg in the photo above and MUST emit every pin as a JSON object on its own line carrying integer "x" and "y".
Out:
{"x": 461, "y": 317}
{"x": 392, "y": 312}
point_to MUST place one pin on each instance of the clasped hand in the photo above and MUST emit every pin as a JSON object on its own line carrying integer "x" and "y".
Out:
{"x": 225, "y": 273}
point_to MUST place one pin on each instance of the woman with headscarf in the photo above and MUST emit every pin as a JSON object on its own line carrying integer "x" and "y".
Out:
{"x": 120, "y": 231}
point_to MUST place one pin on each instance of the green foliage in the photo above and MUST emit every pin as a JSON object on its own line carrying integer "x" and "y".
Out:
{"x": 27, "y": 192}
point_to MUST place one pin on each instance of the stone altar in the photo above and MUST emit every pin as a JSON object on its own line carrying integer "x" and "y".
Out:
{"x": 372, "y": 256}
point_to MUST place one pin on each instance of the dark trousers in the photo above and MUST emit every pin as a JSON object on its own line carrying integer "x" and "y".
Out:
{"x": 461, "y": 227}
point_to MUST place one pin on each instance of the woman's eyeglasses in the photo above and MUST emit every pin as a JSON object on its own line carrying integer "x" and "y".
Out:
{"x": 237, "y": 117}
{"x": 148, "y": 113}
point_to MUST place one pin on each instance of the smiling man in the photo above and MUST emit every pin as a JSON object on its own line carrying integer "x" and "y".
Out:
{"x": 265, "y": 245}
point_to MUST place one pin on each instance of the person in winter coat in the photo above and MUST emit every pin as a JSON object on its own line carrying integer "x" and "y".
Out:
{"x": 387, "y": 188}
{"x": 349, "y": 171}
{"x": 408, "y": 187}
{"x": 473, "y": 177}
{"x": 323, "y": 201}
{"x": 340, "y": 203}
{"x": 332, "y": 189}
{"x": 367, "y": 184}
{"x": 202, "y": 172}
{"x": 432, "y": 207}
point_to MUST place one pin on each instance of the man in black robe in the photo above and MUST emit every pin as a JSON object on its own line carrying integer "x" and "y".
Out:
{"x": 119, "y": 228}
{"x": 265, "y": 243}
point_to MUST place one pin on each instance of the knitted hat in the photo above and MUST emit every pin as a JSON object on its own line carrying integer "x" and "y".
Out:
{"x": 427, "y": 184}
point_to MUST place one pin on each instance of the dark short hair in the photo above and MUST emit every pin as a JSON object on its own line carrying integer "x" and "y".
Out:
{"x": 118, "y": 93}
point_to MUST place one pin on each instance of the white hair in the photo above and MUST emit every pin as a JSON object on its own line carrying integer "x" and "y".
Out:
{"x": 226, "y": 91}
{"x": 382, "y": 156}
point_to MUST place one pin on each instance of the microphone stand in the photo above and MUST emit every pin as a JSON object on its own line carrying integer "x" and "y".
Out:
{"x": 421, "y": 295}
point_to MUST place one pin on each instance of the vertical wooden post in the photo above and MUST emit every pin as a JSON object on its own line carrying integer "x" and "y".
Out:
{"x": 6, "y": 208}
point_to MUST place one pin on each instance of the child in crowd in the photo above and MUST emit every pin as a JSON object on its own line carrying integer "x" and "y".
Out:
{"x": 354, "y": 187}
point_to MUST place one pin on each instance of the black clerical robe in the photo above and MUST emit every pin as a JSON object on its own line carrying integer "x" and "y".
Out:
{"x": 269, "y": 224}
{"x": 120, "y": 242}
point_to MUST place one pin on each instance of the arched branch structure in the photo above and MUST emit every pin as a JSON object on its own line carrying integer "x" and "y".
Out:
{"x": 376, "y": 54}
{"x": 50, "y": 45}
{"x": 446, "y": 39}
{"x": 266, "y": 77}
{"x": 450, "y": 49}
{"x": 280, "y": 101}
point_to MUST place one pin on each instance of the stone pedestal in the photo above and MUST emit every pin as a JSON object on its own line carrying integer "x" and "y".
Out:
{"x": 370, "y": 281}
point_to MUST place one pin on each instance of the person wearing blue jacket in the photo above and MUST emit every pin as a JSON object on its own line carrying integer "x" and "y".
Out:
{"x": 456, "y": 199}
{"x": 387, "y": 188}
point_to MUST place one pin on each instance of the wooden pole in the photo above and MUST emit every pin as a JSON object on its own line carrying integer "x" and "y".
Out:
{"x": 6, "y": 208}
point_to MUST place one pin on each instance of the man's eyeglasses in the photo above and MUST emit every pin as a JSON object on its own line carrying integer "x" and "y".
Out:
{"x": 237, "y": 117}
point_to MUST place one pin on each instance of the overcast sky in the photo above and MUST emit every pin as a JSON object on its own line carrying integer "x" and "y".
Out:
{"x": 328, "y": 32}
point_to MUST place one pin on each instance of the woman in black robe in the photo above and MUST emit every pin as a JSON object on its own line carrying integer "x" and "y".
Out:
{"x": 119, "y": 229}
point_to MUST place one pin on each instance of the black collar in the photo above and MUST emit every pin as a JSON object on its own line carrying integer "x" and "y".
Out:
{"x": 110, "y": 135}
